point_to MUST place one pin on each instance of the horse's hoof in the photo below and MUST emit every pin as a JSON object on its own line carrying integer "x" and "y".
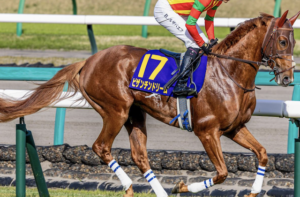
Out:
{"x": 178, "y": 188}
{"x": 251, "y": 195}
{"x": 129, "y": 192}
{"x": 128, "y": 195}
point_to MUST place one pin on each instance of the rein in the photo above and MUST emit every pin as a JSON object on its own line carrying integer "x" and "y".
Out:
{"x": 238, "y": 59}
{"x": 224, "y": 69}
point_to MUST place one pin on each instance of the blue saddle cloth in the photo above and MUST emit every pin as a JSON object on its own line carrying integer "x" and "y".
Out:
{"x": 155, "y": 70}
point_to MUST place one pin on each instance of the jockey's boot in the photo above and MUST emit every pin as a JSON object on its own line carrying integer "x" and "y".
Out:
{"x": 181, "y": 88}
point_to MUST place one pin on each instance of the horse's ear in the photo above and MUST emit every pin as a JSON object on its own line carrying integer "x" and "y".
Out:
{"x": 282, "y": 19}
{"x": 294, "y": 18}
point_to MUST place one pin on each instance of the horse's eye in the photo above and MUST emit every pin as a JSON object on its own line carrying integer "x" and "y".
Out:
{"x": 282, "y": 43}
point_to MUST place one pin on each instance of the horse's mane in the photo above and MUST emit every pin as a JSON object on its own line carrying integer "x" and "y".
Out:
{"x": 242, "y": 30}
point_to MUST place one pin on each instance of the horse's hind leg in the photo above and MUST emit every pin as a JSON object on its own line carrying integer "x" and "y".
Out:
{"x": 212, "y": 145}
{"x": 244, "y": 138}
{"x": 112, "y": 124}
{"x": 136, "y": 127}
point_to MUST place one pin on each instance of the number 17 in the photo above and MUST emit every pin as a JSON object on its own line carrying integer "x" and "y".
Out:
{"x": 163, "y": 61}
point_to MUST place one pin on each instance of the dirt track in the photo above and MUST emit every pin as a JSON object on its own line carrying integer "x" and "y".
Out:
{"x": 84, "y": 126}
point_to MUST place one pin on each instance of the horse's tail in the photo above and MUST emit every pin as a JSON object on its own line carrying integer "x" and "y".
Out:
{"x": 42, "y": 96}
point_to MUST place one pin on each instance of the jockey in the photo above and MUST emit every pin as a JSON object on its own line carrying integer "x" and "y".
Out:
{"x": 180, "y": 17}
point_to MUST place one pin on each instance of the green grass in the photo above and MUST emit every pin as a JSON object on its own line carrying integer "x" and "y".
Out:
{"x": 109, "y": 30}
{"x": 74, "y": 37}
{"x": 235, "y": 8}
{"x": 32, "y": 192}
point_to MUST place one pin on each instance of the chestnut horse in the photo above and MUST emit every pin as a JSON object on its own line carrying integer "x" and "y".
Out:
{"x": 220, "y": 108}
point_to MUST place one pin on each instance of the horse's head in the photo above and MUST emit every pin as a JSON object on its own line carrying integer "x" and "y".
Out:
{"x": 278, "y": 48}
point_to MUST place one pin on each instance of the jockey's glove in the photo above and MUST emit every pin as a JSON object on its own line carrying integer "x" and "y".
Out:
{"x": 206, "y": 47}
{"x": 213, "y": 42}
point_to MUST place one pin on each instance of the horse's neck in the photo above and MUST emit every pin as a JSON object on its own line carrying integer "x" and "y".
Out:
{"x": 248, "y": 48}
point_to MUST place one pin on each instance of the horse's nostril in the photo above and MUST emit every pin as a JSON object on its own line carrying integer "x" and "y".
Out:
{"x": 286, "y": 80}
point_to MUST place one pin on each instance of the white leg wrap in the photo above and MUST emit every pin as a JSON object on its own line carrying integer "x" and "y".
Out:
{"x": 125, "y": 180}
{"x": 156, "y": 186}
{"x": 197, "y": 187}
{"x": 257, "y": 185}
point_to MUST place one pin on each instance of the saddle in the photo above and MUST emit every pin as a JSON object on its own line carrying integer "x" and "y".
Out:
{"x": 183, "y": 104}
{"x": 178, "y": 57}
{"x": 157, "y": 68}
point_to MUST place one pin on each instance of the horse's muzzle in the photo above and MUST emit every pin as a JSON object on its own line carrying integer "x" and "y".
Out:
{"x": 286, "y": 81}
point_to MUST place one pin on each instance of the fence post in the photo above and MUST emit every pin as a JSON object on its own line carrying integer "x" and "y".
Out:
{"x": 146, "y": 13}
{"x": 297, "y": 167}
{"x": 293, "y": 130}
{"x": 92, "y": 39}
{"x": 89, "y": 29}
{"x": 277, "y": 9}
{"x": 20, "y": 11}
{"x": 20, "y": 158}
{"x": 36, "y": 166}
{"x": 60, "y": 123}
{"x": 74, "y": 7}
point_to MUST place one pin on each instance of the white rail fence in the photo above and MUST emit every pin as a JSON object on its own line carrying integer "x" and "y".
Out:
{"x": 271, "y": 108}
{"x": 107, "y": 19}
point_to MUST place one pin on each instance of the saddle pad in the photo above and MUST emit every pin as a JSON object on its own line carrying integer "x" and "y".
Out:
{"x": 155, "y": 70}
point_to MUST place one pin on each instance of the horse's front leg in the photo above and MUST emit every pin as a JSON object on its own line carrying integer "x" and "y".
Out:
{"x": 244, "y": 138}
{"x": 212, "y": 145}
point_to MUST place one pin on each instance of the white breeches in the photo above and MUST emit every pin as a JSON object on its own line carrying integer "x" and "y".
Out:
{"x": 175, "y": 23}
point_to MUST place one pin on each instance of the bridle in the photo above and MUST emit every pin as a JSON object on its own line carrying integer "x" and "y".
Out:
{"x": 269, "y": 50}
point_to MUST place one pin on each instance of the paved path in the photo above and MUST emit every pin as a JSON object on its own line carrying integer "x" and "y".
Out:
{"x": 46, "y": 53}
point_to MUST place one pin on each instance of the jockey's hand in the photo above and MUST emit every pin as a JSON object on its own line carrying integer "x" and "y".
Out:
{"x": 213, "y": 42}
{"x": 206, "y": 48}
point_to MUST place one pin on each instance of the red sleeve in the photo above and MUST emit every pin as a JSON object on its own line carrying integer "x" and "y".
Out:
{"x": 195, "y": 34}
{"x": 198, "y": 7}
{"x": 209, "y": 24}
{"x": 210, "y": 29}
